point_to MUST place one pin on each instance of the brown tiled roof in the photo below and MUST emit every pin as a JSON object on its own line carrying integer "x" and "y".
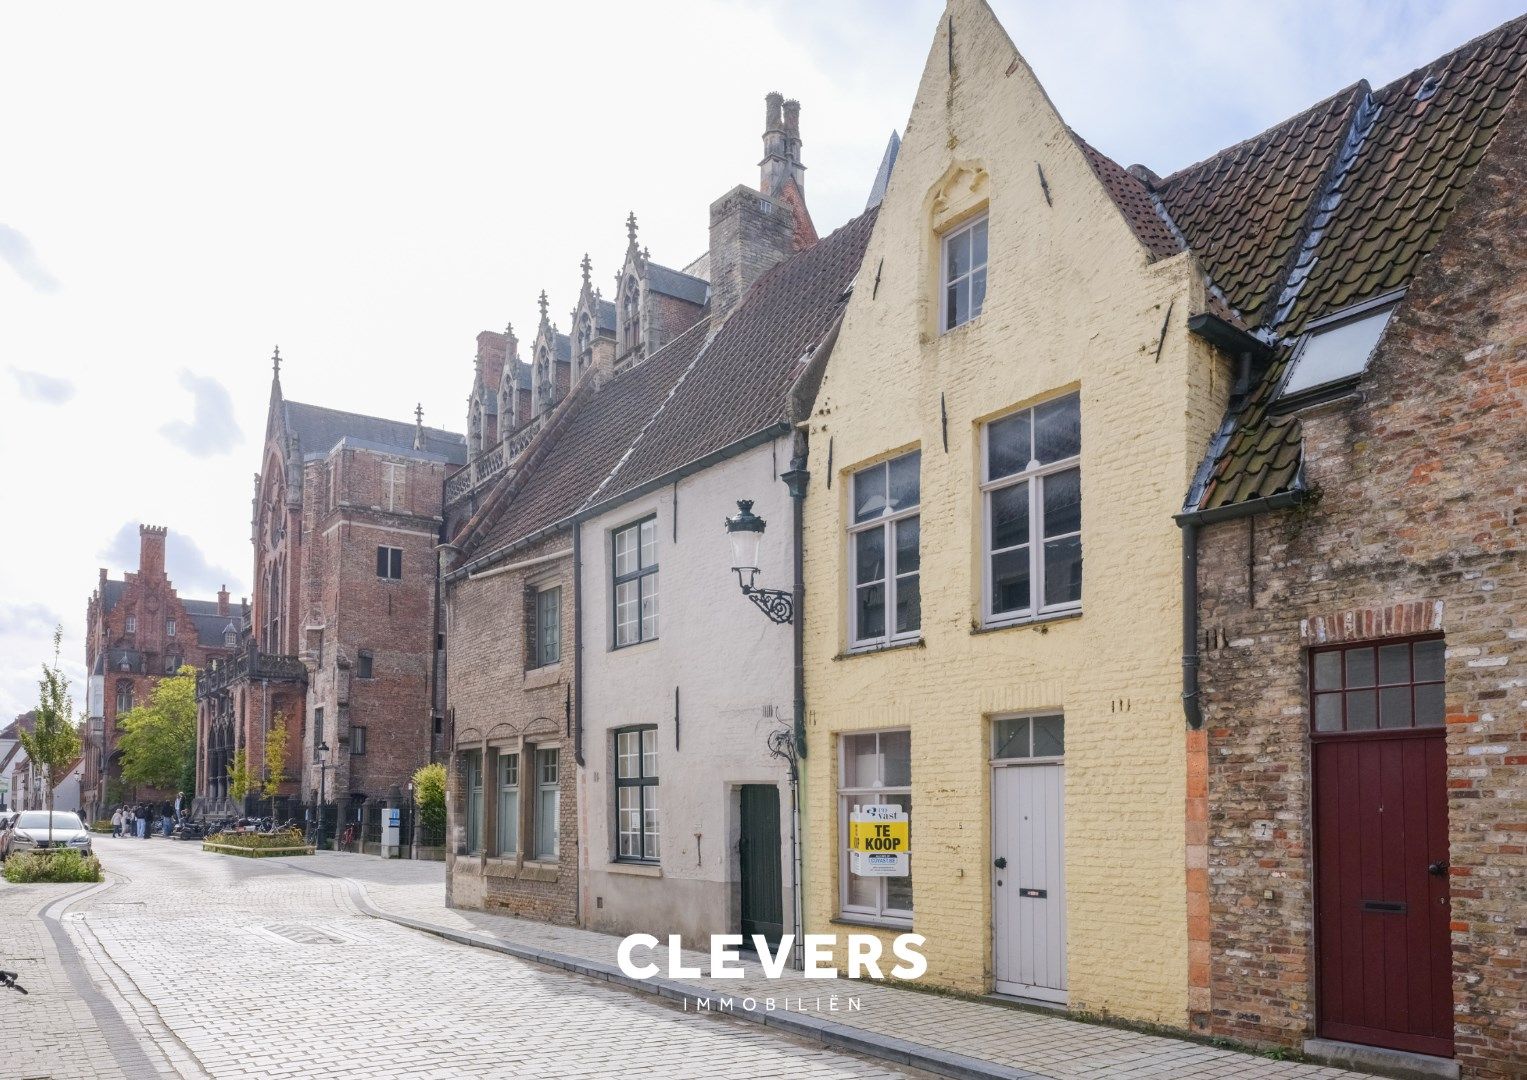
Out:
{"x": 690, "y": 398}
{"x": 588, "y": 445}
{"x": 1362, "y": 229}
{"x": 741, "y": 383}
{"x": 1134, "y": 201}
{"x": 1244, "y": 211}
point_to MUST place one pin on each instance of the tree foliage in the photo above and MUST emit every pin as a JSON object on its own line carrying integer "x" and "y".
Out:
{"x": 53, "y": 744}
{"x": 275, "y": 761}
{"x": 158, "y": 738}
{"x": 429, "y": 794}
{"x": 240, "y": 780}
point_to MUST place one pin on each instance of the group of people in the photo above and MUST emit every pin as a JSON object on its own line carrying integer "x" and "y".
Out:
{"x": 140, "y": 820}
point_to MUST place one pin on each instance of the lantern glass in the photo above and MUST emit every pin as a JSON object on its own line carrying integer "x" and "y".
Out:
{"x": 745, "y": 546}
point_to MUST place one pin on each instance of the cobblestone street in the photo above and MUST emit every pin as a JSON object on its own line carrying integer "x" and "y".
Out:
{"x": 199, "y": 965}
{"x": 170, "y": 967}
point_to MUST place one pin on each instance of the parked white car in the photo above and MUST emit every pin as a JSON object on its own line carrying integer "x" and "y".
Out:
{"x": 31, "y": 831}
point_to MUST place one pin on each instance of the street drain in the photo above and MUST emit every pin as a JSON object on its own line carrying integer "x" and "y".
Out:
{"x": 302, "y": 935}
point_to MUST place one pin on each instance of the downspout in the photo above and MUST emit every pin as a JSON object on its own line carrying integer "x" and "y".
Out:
{"x": 1191, "y": 706}
{"x": 797, "y": 480}
{"x": 578, "y": 643}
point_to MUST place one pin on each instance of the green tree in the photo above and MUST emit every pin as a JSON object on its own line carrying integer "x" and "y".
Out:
{"x": 429, "y": 794}
{"x": 240, "y": 779}
{"x": 158, "y": 740}
{"x": 275, "y": 763}
{"x": 53, "y": 744}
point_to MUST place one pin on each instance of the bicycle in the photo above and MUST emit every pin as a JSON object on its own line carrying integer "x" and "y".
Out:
{"x": 347, "y": 838}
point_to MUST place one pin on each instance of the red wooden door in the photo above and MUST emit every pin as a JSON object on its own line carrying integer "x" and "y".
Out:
{"x": 1383, "y": 953}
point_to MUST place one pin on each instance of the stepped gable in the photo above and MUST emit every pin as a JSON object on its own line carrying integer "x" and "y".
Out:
{"x": 741, "y": 384}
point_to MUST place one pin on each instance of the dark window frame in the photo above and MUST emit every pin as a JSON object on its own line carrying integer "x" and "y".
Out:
{"x": 641, "y": 781}
{"x": 365, "y": 664}
{"x": 1344, "y": 692}
{"x": 617, "y": 579}
{"x": 540, "y": 655}
{"x": 389, "y": 563}
{"x": 357, "y": 740}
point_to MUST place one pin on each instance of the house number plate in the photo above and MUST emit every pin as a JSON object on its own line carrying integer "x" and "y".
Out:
{"x": 1037, "y": 894}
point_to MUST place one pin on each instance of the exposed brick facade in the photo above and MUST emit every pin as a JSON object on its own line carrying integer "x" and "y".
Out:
{"x": 1415, "y": 524}
{"x": 501, "y": 701}
{"x": 129, "y": 648}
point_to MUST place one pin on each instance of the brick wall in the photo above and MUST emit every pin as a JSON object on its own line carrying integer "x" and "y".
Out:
{"x": 496, "y": 703}
{"x": 1418, "y": 524}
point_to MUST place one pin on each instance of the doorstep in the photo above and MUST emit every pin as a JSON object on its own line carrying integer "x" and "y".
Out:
{"x": 1379, "y": 1059}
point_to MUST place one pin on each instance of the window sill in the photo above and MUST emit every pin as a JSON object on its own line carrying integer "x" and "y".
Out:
{"x": 851, "y": 919}
{"x": 638, "y": 869}
{"x": 537, "y": 678}
{"x": 871, "y": 650}
{"x": 1038, "y": 622}
{"x": 633, "y": 644}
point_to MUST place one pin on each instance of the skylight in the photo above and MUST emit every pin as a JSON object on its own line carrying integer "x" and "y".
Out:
{"x": 1337, "y": 351}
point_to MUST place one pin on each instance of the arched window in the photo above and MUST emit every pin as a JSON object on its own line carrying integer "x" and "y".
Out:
{"x": 124, "y": 697}
{"x": 630, "y": 310}
{"x": 585, "y": 343}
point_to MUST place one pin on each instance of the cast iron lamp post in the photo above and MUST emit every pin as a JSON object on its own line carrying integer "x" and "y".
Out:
{"x": 745, "y": 531}
{"x": 323, "y": 767}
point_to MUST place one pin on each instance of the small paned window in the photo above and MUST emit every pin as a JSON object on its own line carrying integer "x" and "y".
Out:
{"x": 1024, "y": 737}
{"x": 508, "y": 803}
{"x": 471, "y": 768}
{"x": 364, "y": 665}
{"x": 634, "y": 550}
{"x": 964, "y": 274}
{"x": 548, "y": 800}
{"x": 389, "y": 563}
{"x": 132, "y": 624}
{"x": 636, "y": 824}
{"x": 317, "y": 729}
{"x": 885, "y": 553}
{"x": 1377, "y": 686}
{"x": 124, "y": 697}
{"x": 1032, "y": 491}
{"x": 548, "y": 626}
{"x": 874, "y": 768}
{"x": 357, "y": 740}
{"x": 169, "y": 628}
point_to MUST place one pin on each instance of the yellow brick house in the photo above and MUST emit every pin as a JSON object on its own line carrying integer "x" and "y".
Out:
{"x": 993, "y": 576}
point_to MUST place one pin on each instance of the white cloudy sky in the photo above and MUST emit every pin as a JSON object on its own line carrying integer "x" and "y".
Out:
{"x": 369, "y": 184}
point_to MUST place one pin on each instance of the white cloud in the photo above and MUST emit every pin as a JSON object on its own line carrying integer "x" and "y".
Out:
{"x": 47, "y": 389}
{"x": 16, "y": 252}
{"x": 212, "y": 428}
{"x": 193, "y": 574}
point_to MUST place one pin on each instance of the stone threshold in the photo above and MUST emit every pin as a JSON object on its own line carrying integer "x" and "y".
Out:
{"x": 1381, "y": 1060}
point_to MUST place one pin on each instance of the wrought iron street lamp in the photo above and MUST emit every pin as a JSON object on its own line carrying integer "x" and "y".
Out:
{"x": 745, "y": 531}
{"x": 323, "y": 767}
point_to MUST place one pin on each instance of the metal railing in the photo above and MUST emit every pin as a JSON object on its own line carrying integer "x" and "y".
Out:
{"x": 250, "y": 664}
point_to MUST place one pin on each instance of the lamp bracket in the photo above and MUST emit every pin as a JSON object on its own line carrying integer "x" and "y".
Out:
{"x": 777, "y": 604}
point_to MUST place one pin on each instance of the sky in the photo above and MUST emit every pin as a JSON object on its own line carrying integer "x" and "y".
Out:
{"x": 184, "y": 186}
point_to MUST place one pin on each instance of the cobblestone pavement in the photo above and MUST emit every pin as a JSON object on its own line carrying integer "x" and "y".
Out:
{"x": 199, "y": 965}
{"x": 1036, "y": 1042}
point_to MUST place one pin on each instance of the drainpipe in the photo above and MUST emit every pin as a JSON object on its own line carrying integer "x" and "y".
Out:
{"x": 1191, "y": 706}
{"x": 797, "y": 480}
{"x": 578, "y": 643}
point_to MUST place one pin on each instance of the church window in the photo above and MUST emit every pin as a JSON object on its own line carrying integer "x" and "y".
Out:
{"x": 396, "y": 478}
{"x": 631, "y": 315}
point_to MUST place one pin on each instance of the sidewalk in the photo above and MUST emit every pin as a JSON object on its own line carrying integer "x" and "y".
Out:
{"x": 944, "y": 1035}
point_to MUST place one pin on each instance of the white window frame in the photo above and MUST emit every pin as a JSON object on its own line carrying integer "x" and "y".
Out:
{"x": 645, "y": 578}
{"x": 507, "y": 791}
{"x": 886, "y": 522}
{"x": 396, "y": 481}
{"x": 539, "y": 816}
{"x": 1033, "y": 474}
{"x": 866, "y": 796}
{"x": 169, "y": 627}
{"x": 945, "y": 281}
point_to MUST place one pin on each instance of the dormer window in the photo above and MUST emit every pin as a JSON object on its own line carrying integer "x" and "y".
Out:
{"x": 964, "y": 274}
{"x": 1335, "y": 351}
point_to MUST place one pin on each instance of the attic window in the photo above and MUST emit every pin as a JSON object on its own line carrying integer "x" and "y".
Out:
{"x": 1336, "y": 350}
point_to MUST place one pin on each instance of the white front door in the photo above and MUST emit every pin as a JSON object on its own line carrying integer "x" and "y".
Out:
{"x": 1028, "y": 880}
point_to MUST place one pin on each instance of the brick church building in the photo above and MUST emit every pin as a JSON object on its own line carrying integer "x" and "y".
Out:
{"x": 140, "y": 629}
{"x": 340, "y": 640}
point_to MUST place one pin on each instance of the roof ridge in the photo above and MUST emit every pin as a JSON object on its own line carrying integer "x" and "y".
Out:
{"x": 369, "y": 416}
{"x": 1302, "y": 116}
{"x": 1474, "y": 43}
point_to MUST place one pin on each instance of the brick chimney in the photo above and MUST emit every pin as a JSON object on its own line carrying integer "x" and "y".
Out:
{"x": 151, "y": 551}
{"x": 751, "y": 230}
{"x": 222, "y": 600}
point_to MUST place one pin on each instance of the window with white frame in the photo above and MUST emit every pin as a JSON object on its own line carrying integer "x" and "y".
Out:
{"x": 964, "y": 273}
{"x": 874, "y": 769}
{"x": 636, "y": 794}
{"x": 132, "y": 624}
{"x": 546, "y": 646}
{"x": 389, "y": 563}
{"x": 634, "y": 552}
{"x": 508, "y": 803}
{"x": 1031, "y": 485}
{"x": 885, "y": 603}
{"x": 169, "y": 628}
{"x": 396, "y": 475}
{"x": 548, "y": 802}
{"x": 471, "y": 766}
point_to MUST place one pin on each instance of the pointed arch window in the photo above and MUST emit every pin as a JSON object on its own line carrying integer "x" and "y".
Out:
{"x": 124, "y": 697}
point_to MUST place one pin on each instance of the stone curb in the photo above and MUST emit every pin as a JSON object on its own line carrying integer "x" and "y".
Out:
{"x": 826, "y": 1032}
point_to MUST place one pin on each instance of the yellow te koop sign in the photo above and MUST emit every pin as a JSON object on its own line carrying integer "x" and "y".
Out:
{"x": 879, "y": 841}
